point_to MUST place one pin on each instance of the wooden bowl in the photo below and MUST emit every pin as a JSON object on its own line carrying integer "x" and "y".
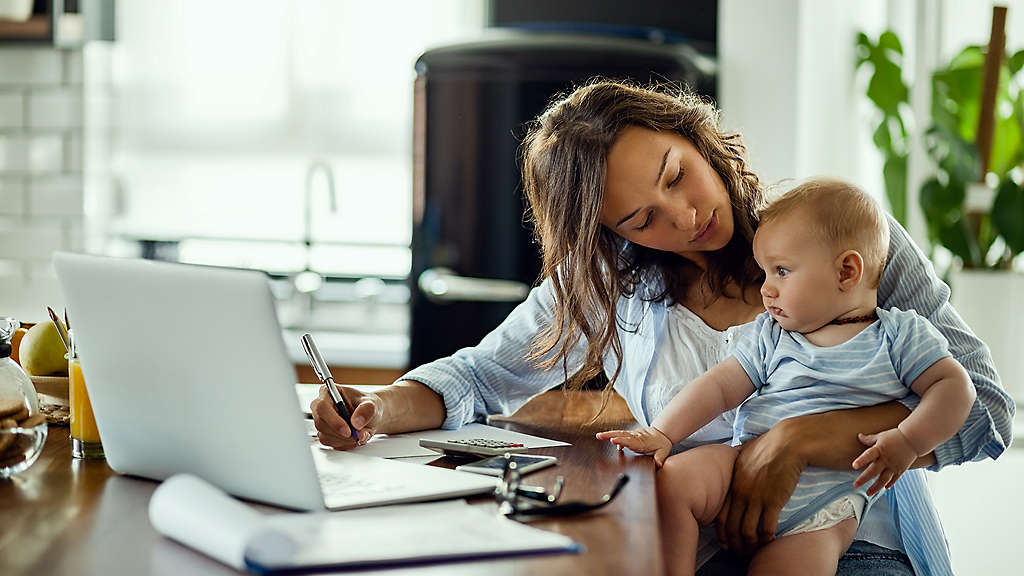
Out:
{"x": 56, "y": 386}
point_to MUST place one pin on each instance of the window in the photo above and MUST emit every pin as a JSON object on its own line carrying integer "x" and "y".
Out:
{"x": 222, "y": 109}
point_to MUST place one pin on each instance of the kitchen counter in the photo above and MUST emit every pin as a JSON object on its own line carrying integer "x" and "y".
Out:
{"x": 390, "y": 351}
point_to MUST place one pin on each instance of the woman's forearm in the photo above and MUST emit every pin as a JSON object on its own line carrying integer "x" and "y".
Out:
{"x": 829, "y": 439}
{"x": 407, "y": 406}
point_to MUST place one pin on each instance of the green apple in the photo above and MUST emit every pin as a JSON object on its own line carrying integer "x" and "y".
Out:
{"x": 42, "y": 351}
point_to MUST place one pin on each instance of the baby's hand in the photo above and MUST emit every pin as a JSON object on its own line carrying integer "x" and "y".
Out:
{"x": 889, "y": 456}
{"x": 648, "y": 440}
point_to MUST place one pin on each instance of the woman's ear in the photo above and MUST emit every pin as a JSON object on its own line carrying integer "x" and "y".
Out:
{"x": 850, "y": 265}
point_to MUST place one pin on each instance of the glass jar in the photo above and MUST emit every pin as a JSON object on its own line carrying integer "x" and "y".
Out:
{"x": 22, "y": 425}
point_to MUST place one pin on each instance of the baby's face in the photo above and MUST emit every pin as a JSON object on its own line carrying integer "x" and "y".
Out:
{"x": 801, "y": 281}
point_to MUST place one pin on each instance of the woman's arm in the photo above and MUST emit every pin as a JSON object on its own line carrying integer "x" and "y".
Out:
{"x": 493, "y": 377}
{"x": 769, "y": 467}
{"x": 909, "y": 283}
{"x": 496, "y": 376}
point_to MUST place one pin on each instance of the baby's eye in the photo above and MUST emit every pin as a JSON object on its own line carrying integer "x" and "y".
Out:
{"x": 782, "y": 272}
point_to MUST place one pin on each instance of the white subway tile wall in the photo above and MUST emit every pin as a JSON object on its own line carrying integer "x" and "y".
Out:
{"x": 41, "y": 181}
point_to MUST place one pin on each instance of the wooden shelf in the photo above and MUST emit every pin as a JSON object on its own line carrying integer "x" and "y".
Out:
{"x": 36, "y": 28}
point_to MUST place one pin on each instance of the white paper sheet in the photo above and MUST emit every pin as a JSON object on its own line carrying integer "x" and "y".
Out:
{"x": 197, "y": 514}
{"x": 203, "y": 517}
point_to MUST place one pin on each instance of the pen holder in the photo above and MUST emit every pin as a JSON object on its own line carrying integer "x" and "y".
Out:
{"x": 85, "y": 437}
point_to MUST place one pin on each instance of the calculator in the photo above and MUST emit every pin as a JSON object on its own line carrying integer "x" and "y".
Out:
{"x": 472, "y": 447}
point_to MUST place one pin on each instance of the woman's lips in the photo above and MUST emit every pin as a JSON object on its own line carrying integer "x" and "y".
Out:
{"x": 706, "y": 230}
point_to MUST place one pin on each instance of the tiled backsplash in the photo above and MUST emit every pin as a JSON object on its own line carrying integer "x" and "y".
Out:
{"x": 41, "y": 173}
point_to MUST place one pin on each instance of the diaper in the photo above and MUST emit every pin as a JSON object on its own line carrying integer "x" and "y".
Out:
{"x": 851, "y": 506}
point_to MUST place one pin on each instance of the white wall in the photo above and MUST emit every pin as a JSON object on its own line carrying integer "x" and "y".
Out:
{"x": 41, "y": 182}
{"x": 787, "y": 82}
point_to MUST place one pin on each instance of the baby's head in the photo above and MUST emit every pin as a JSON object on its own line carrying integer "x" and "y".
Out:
{"x": 823, "y": 247}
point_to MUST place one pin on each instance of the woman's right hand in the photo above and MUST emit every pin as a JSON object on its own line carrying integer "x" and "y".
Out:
{"x": 367, "y": 414}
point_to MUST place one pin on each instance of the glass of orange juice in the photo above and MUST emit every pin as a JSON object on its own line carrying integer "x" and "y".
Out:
{"x": 85, "y": 437}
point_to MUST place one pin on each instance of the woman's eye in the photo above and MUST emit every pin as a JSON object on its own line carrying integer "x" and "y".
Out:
{"x": 647, "y": 222}
{"x": 679, "y": 176}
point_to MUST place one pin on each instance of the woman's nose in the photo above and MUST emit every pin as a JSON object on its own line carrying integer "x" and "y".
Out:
{"x": 686, "y": 218}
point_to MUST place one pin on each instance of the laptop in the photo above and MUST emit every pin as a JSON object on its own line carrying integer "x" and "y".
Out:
{"x": 187, "y": 371}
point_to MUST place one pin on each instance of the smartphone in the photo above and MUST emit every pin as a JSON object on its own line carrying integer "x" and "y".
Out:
{"x": 472, "y": 447}
{"x": 494, "y": 465}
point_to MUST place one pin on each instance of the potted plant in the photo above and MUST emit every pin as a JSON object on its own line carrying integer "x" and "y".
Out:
{"x": 973, "y": 203}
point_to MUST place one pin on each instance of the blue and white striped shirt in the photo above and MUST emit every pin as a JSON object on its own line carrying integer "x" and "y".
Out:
{"x": 793, "y": 377}
{"x": 496, "y": 377}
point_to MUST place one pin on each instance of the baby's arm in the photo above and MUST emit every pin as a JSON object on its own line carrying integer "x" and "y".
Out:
{"x": 946, "y": 398}
{"x": 718, "y": 390}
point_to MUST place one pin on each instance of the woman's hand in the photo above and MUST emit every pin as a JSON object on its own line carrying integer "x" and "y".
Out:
{"x": 764, "y": 476}
{"x": 331, "y": 428}
{"x": 889, "y": 455}
{"x": 647, "y": 440}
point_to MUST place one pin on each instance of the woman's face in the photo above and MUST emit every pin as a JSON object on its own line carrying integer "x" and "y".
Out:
{"x": 662, "y": 194}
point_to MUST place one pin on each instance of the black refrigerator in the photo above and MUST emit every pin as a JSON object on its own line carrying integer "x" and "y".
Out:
{"x": 473, "y": 257}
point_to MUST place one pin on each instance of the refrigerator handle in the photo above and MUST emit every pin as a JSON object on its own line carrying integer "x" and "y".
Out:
{"x": 443, "y": 285}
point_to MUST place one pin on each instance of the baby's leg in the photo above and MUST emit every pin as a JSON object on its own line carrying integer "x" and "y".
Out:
{"x": 810, "y": 553}
{"x": 691, "y": 489}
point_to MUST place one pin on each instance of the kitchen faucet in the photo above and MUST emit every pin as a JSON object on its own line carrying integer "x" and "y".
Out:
{"x": 309, "y": 281}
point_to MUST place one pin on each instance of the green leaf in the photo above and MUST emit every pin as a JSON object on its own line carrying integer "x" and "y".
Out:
{"x": 1006, "y": 145}
{"x": 1008, "y": 214}
{"x": 942, "y": 205}
{"x": 1016, "y": 62}
{"x": 895, "y": 173}
{"x": 890, "y": 41}
{"x": 886, "y": 88}
{"x": 882, "y": 139}
{"x": 969, "y": 57}
{"x": 957, "y": 238}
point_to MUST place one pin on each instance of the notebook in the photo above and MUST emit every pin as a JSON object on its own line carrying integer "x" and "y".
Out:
{"x": 191, "y": 511}
{"x": 188, "y": 373}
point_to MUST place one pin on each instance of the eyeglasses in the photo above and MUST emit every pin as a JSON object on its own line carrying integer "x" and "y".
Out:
{"x": 515, "y": 499}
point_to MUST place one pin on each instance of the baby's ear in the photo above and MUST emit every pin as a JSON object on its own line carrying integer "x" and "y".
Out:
{"x": 850, "y": 266}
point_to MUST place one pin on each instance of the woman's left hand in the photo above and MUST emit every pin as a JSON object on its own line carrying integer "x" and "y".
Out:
{"x": 764, "y": 477}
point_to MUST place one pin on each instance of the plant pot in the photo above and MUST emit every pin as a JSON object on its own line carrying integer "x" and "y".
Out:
{"x": 992, "y": 304}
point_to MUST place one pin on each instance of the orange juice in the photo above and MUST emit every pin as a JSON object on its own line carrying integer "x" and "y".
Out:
{"x": 83, "y": 423}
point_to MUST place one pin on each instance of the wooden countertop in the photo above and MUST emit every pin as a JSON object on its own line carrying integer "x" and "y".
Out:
{"x": 67, "y": 516}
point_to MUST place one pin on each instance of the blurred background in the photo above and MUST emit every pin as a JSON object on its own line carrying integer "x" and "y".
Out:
{"x": 363, "y": 153}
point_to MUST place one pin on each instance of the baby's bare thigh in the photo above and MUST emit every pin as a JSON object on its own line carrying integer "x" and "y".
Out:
{"x": 808, "y": 553}
{"x": 698, "y": 479}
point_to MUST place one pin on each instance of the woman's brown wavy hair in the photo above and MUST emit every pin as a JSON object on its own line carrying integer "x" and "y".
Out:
{"x": 563, "y": 158}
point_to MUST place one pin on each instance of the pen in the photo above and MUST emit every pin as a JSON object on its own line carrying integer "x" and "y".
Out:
{"x": 324, "y": 374}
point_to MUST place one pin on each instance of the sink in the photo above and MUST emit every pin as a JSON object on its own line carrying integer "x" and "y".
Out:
{"x": 354, "y": 322}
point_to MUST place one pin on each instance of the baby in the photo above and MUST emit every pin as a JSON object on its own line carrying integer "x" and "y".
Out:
{"x": 822, "y": 344}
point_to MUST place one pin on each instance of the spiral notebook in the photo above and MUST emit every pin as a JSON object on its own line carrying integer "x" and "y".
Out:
{"x": 195, "y": 513}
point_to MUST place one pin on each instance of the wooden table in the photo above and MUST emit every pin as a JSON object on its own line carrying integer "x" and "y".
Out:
{"x": 66, "y": 516}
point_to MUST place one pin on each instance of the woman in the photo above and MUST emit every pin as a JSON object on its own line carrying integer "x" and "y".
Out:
{"x": 645, "y": 211}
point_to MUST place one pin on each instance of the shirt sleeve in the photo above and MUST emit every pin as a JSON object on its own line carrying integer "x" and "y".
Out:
{"x": 496, "y": 376}
{"x": 916, "y": 344}
{"x": 754, "y": 345}
{"x": 909, "y": 283}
